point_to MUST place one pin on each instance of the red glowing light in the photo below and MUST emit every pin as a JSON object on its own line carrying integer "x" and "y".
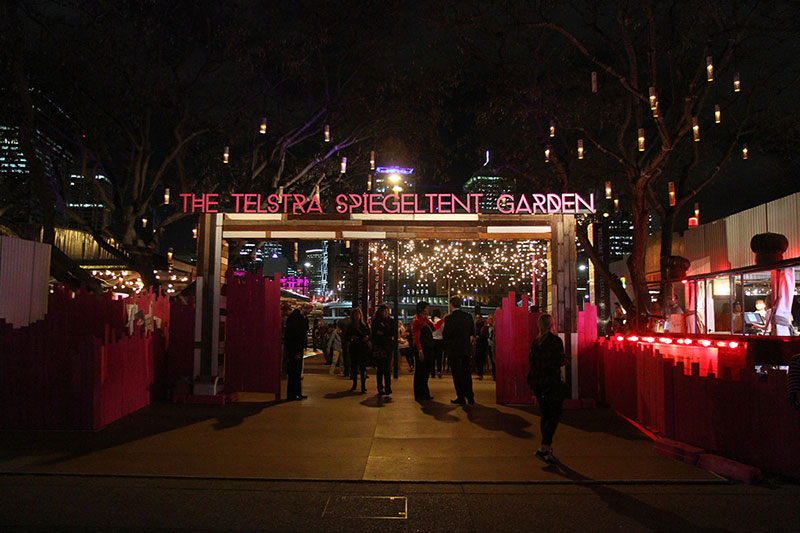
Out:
{"x": 722, "y": 344}
{"x": 620, "y": 338}
{"x": 665, "y": 340}
{"x": 733, "y": 344}
{"x": 684, "y": 281}
{"x": 705, "y": 343}
{"x": 633, "y": 338}
{"x": 649, "y": 339}
{"x": 693, "y": 221}
{"x": 687, "y": 341}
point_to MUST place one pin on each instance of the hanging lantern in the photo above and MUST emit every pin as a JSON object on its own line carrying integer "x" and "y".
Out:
{"x": 369, "y": 183}
{"x": 295, "y": 251}
{"x": 327, "y": 133}
{"x": 695, "y": 129}
{"x": 169, "y": 255}
{"x": 166, "y": 196}
{"x": 693, "y": 222}
{"x": 316, "y": 192}
{"x": 347, "y": 244}
{"x": 263, "y": 128}
{"x": 744, "y": 151}
{"x": 653, "y": 99}
{"x": 608, "y": 190}
{"x": 672, "y": 193}
{"x": 547, "y": 153}
{"x": 717, "y": 114}
{"x": 552, "y": 129}
{"x": 372, "y": 160}
{"x": 616, "y": 204}
{"x": 709, "y": 68}
{"x": 594, "y": 81}
{"x": 696, "y": 210}
{"x": 226, "y": 155}
{"x": 194, "y": 232}
{"x": 344, "y": 165}
{"x": 144, "y": 222}
{"x": 737, "y": 86}
{"x": 580, "y": 148}
{"x": 280, "y": 193}
{"x": 641, "y": 139}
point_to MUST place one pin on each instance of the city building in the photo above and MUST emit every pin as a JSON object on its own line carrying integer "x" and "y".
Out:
{"x": 491, "y": 187}
{"x": 389, "y": 180}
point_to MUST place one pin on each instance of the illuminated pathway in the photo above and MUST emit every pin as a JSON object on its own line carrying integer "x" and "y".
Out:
{"x": 340, "y": 435}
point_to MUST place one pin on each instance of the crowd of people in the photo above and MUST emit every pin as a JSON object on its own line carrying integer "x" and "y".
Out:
{"x": 430, "y": 344}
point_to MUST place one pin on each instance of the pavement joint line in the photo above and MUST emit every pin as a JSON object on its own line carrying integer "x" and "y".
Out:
{"x": 721, "y": 481}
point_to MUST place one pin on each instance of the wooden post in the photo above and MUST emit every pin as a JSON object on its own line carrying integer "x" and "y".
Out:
{"x": 208, "y": 288}
{"x": 563, "y": 288}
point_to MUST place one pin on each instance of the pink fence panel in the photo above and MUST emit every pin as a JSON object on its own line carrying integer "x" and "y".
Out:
{"x": 76, "y": 369}
{"x": 587, "y": 353}
{"x": 253, "y": 334}
{"x": 748, "y": 419}
{"x": 515, "y": 329}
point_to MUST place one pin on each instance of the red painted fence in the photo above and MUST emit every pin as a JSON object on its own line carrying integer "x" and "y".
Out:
{"x": 78, "y": 368}
{"x": 515, "y": 329}
{"x": 748, "y": 419}
{"x": 253, "y": 334}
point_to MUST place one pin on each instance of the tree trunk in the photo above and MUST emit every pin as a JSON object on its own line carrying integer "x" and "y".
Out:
{"x": 636, "y": 261}
{"x": 667, "y": 227}
{"x": 613, "y": 281}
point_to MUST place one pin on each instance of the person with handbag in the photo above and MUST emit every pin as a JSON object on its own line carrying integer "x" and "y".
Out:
{"x": 422, "y": 329}
{"x": 360, "y": 347}
{"x": 544, "y": 377}
{"x": 383, "y": 330}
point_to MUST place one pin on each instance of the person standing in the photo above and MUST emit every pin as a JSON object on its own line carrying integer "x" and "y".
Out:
{"x": 458, "y": 334}
{"x": 481, "y": 345}
{"x": 358, "y": 335}
{"x": 404, "y": 348}
{"x": 544, "y": 377}
{"x": 335, "y": 347}
{"x": 422, "y": 329}
{"x": 383, "y": 335}
{"x": 438, "y": 343}
{"x": 296, "y": 342}
{"x": 490, "y": 337}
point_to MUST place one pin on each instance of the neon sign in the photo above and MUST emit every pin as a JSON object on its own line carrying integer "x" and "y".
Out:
{"x": 406, "y": 203}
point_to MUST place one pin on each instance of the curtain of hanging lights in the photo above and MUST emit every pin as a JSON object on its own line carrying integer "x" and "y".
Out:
{"x": 470, "y": 265}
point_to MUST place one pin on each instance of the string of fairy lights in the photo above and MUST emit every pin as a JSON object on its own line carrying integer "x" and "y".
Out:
{"x": 467, "y": 265}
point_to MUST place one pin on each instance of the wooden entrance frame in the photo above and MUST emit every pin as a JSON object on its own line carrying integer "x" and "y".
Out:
{"x": 214, "y": 228}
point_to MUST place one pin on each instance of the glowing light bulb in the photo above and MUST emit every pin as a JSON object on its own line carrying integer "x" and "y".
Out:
{"x": 547, "y": 154}
{"x": 717, "y": 114}
{"x": 744, "y": 151}
{"x": 641, "y": 139}
{"x": 580, "y": 148}
{"x": 737, "y": 86}
{"x": 263, "y": 128}
{"x": 166, "y": 196}
{"x": 327, "y": 133}
{"x": 608, "y": 190}
{"x": 226, "y": 155}
{"x": 709, "y": 68}
{"x": 695, "y": 129}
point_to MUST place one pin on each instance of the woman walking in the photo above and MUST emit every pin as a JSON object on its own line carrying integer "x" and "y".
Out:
{"x": 544, "y": 377}
{"x": 359, "y": 348}
{"x": 383, "y": 331}
{"x": 422, "y": 328}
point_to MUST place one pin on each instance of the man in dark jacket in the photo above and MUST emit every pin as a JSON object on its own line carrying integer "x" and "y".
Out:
{"x": 457, "y": 335}
{"x": 296, "y": 341}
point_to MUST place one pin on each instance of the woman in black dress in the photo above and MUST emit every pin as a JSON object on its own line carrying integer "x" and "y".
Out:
{"x": 422, "y": 329}
{"x": 383, "y": 331}
{"x": 359, "y": 335}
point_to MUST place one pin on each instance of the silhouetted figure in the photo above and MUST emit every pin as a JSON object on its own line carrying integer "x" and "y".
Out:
{"x": 544, "y": 377}
{"x": 383, "y": 335}
{"x": 359, "y": 335}
{"x": 296, "y": 342}
{"x": 458, "y": 333}
{"x": 422, "y": 329}
{"x": 438, "y": 343}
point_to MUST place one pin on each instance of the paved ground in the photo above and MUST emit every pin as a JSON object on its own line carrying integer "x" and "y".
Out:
{"x": 369, "y": 465}
{"x": 57, "y": 503}
{"x": 340, "y": 435}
